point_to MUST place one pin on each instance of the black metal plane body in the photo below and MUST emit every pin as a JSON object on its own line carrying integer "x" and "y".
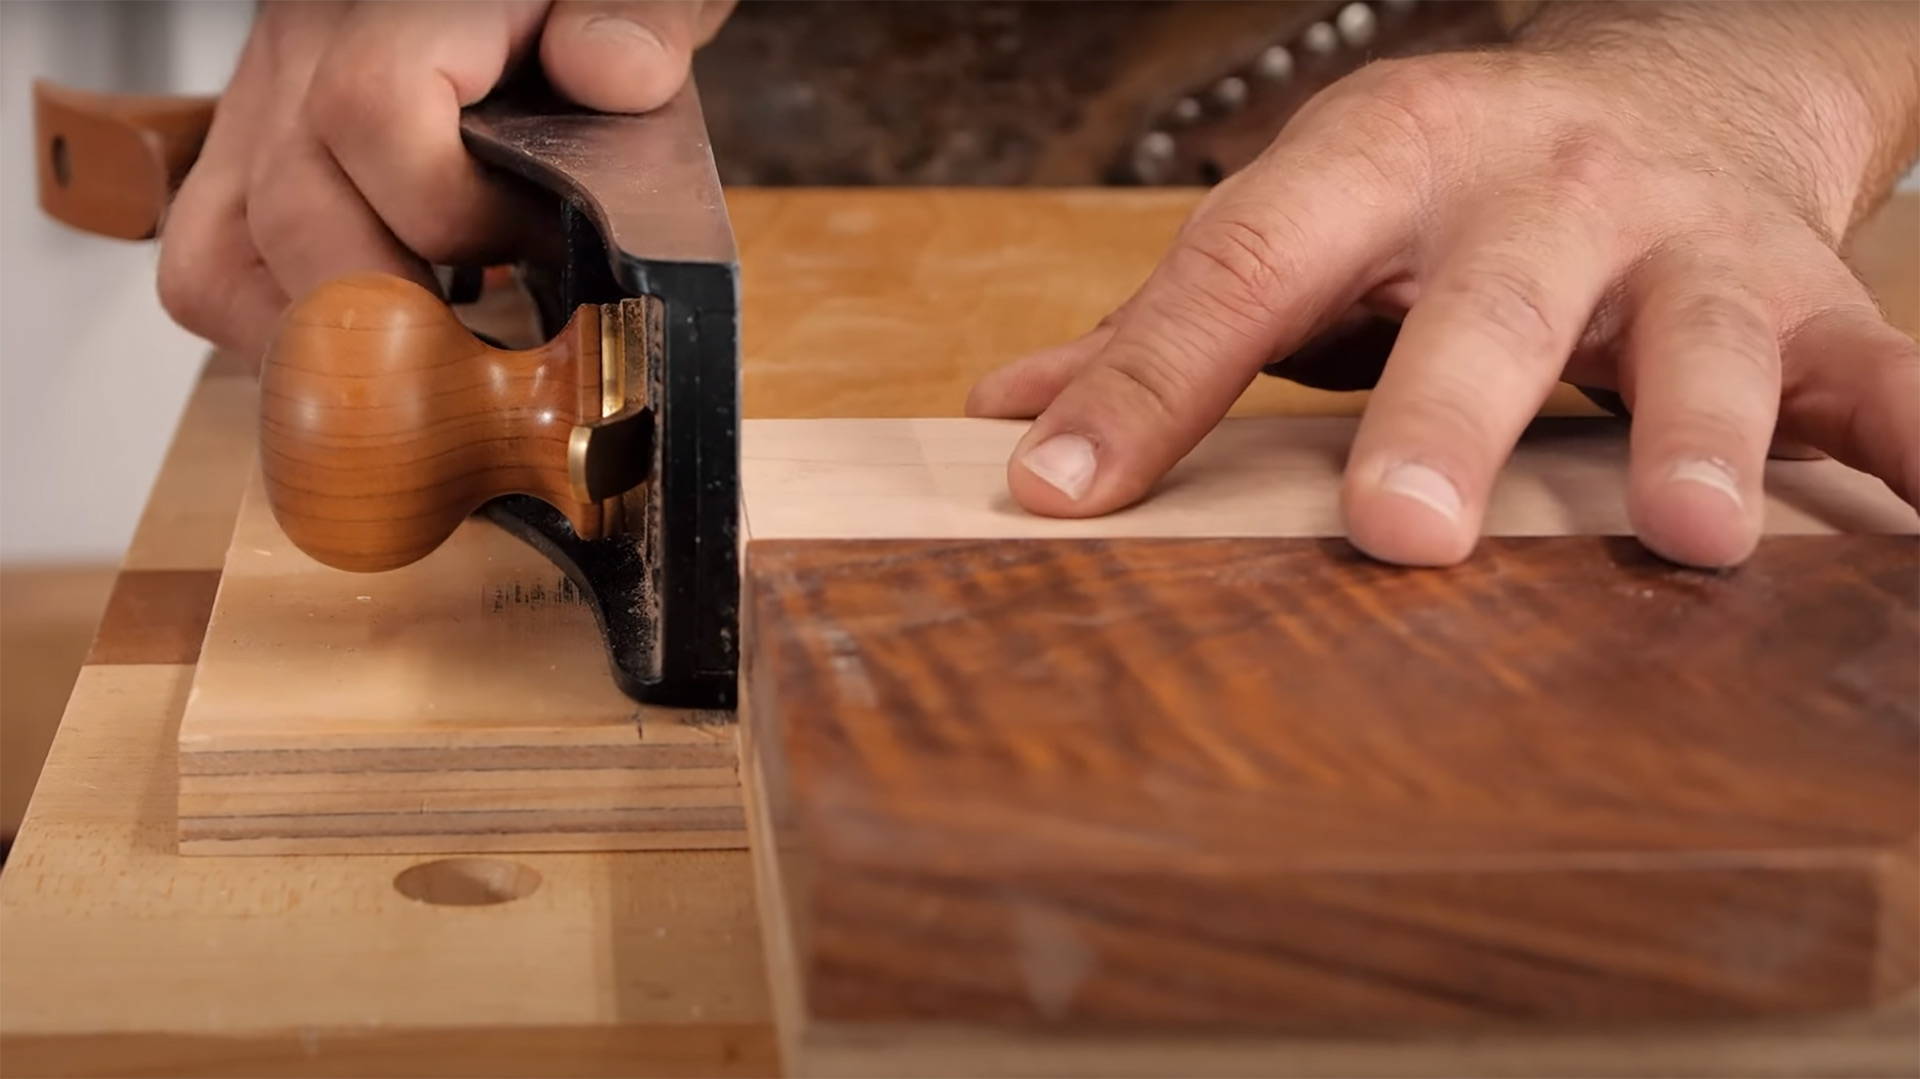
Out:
{"x": 639, "y": 213}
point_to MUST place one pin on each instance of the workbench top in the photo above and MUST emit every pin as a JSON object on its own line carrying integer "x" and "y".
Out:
{"x": 123, "y": 957}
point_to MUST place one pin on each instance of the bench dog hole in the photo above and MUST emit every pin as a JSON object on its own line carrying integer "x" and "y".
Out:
{"x": 467, "y": 882}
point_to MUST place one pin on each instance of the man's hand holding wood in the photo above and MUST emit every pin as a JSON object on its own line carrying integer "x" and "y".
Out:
{"x": 1642, "y": 197}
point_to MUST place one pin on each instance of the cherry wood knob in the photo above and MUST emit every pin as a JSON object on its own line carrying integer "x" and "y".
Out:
{"x": 384, "y": 422}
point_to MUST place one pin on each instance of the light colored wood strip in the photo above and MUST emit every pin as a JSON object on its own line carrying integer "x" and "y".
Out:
{"x": 1280, "y": 476}
{"x": 188, "y": 521}
{"x": 156, "y": 616}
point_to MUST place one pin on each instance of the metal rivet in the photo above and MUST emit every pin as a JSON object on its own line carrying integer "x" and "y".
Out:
{"x": 1151, "y": 156}
{"x": 1184, "y": 111}
{"x": 1320, "y": 39}
{"x": 1156, "y": 145}
{"x": 1230, "y": 93}
{"x": 1356, "y": 24}
{"x": 1275, "y": 64}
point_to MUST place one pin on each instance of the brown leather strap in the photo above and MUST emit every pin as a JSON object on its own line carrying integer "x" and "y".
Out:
{"x": 109, "y": 163}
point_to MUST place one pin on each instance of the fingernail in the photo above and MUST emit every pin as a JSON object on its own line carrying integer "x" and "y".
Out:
{"x": 624, "y": 31}
{"x": 1424, "y": 485}
{"x": 1064, "y": 461}
{"x": 1710, "y": 471}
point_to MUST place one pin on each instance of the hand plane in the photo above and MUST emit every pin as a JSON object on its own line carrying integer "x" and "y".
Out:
{"x": 613, "y": 449}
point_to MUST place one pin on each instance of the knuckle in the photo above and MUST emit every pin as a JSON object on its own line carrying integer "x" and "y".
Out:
{"x": 1708, "y": 423}
{"x": 1232, "y": 254}
{"x": 1233, "y": 265}
{"x": 1720, "y": 315}
{"x": 1141, "y": 380}
{"x": 1443, "y": 424}
{"x": 184, "y": 283}
{"x": 182, "y": 296}
{"x": 1402, "y": 131}
{"x": 276, "y": 222}
{"x": 1501, "y": 300}
{"x": 1407, "y": 111}
{"x": 425, "y": 202}
{"x": 1418, "y": 90}
{"x": 1586, "y": 162}
{"x": 1725, "y": 328}
{"x": 348, "y": 93}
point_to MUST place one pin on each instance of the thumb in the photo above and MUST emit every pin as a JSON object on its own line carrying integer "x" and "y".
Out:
{"x": 625, "y": 55}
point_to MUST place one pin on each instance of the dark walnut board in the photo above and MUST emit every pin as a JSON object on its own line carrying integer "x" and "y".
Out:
{"x": 1118, "y": 805}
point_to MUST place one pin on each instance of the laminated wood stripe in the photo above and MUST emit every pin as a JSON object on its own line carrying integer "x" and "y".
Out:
{"x": 156, "y": 616}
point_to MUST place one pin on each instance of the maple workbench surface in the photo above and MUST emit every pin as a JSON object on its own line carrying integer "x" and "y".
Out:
{"x": 122, "y": 957}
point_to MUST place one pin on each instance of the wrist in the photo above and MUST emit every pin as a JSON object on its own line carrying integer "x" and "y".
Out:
{"x": 1821, "y": 100}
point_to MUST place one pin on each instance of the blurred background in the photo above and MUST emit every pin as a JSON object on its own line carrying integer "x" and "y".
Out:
{"x": 93, "y": 374}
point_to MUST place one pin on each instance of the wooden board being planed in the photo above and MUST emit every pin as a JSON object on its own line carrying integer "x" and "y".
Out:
{"x": 1252, "y": 476}
{"x": 1018, "y": 793}
{"x": 462, "y": 703}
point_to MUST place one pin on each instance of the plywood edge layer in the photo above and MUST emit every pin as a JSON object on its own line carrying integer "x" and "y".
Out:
{"x": 217, "y": 758}
{"x": 215, "y": 805}
{"x": 430, "y": 839}
{"x": 376, "y": 830}
{"x": 647, "y": 728}
{"x": 435, "y": 784}
{"x": 359, "y": 800}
